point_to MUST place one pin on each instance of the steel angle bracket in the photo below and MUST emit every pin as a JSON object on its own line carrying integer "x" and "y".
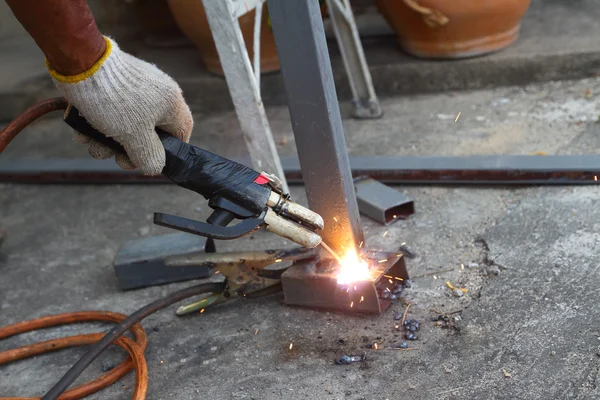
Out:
{"x": 313, "y": 283}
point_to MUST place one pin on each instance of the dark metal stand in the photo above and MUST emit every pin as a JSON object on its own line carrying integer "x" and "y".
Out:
{"x": 316, "y": 120}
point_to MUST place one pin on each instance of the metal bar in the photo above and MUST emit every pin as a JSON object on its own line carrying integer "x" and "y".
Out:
{"x": 316, "y": 120}
{"x": 472, "y": 170}
{"x": 243, "y": 88}
{"x": 256, "y": 43}
{"x": 366, "y": 104}
{"x": 142, "y": 262}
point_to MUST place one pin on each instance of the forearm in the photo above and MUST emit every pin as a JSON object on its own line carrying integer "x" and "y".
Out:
{"x": 65, "y": 31}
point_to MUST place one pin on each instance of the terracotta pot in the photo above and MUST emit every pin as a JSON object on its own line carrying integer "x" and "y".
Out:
{"x": 191, "y": 19}
{"x": 454, "y": 29}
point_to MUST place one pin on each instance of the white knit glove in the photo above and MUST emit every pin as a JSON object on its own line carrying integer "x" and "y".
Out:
{"x": 126, "y": 98}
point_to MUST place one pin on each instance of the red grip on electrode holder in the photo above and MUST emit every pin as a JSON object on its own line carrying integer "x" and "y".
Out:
{"x": 261, "y": 180}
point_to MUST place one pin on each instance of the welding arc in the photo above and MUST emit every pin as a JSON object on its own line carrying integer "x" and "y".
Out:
{"x": 97, "y": 348}
{"x": 135, "y": 350}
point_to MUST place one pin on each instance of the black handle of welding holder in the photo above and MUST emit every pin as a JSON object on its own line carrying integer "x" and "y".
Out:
{"x": 228, "y": 186}
{"x": 194, "y": 168}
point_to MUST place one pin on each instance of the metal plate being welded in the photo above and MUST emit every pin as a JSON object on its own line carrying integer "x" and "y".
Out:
{"x": 313, "y": 283}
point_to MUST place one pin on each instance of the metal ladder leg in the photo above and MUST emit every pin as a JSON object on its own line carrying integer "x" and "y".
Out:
{"x": 366, "y": 104}
{"x": 243, "y": 81}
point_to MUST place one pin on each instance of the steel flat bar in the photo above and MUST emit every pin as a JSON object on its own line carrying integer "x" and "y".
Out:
{"x": 472, "y": 170}
{"x": 316, "y": 120}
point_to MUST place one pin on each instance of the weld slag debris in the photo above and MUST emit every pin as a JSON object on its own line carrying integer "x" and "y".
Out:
{"x": 390, "y": 291}
{"x": 346, "y": 360}
{"x": 407, "y": 251}
{"x": 411, "y": 325}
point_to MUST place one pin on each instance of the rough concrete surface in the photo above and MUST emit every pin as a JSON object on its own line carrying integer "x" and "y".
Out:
{"x": 557, "y": 41}
{"x": 526, "y": 328}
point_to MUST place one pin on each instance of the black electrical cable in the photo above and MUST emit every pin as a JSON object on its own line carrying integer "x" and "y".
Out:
{"x": 97, "y": 348}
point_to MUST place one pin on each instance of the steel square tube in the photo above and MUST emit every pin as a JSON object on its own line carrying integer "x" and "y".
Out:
{"x": 313, "y": 283}
{"x": 316, "y": 120}
{"x": 381, "y": 202}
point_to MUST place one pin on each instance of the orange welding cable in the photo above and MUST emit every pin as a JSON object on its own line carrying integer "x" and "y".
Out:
{"x": 135, "y": 349}
{"x": 28, "y": 116}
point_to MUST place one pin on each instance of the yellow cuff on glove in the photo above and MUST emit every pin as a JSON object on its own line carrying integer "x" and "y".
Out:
{"x": 84, "y": 75}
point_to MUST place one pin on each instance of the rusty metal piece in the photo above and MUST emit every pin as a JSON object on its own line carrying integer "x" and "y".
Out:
{"x": 313, "y": 283}
{"x": 28, "y": 116}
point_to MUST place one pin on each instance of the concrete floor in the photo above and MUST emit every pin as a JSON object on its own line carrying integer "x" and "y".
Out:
{"x": 527, "y": 327}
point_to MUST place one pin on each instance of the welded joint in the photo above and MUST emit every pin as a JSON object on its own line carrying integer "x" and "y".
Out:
{"x": 313, "y": 283}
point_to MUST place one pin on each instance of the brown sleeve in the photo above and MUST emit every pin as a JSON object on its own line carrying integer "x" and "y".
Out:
{"x": 65, "y": 31}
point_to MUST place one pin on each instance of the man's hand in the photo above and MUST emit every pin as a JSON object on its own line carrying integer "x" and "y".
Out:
{"x": 126, "y": 98}
{"x": 120, "y": 95}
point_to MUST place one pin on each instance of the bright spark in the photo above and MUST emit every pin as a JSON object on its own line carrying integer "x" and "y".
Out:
{"x": 385, "y": 233}
{"x": 201, "y": 311}
{"x": 335, "y": 219}
{"x": 394, "y": 216}
{"x": 391, "y": 281}
{"x": 400, "y": 279}
{"x": 361, "y": 244}
{"x": 375, "y": 346}
{"x": 217, "y": 272}
{"x": 351, "y": 304}
{"x": 353, "y": 269}
{"x": 256, "y": 332}
{"x": 382, "y": 261}
{"x": 462, "y": 266}
{"x": 362, "y": 298}
{"x": 291, "y": 345}
{"x": 278, "y": 260}
{"x": 457, "y": 117}
{"x": 595, "y": 178}
{"x": 434, "y": 277}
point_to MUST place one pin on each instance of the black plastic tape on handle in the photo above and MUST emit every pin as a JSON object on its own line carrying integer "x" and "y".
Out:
{"x": 193, "y": 168}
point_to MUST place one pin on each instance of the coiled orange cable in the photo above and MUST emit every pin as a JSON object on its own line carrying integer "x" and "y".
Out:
{"x": 135, "y": 349}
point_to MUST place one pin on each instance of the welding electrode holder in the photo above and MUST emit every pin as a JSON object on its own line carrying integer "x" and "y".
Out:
{"x": 233, "y": 190}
